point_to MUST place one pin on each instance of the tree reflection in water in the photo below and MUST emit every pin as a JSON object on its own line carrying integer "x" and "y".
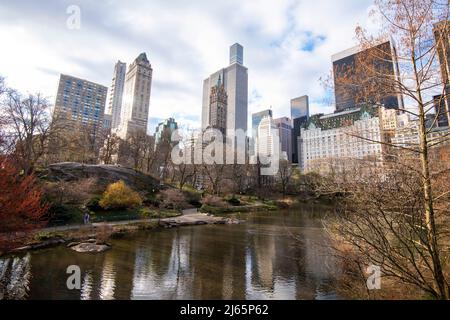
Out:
{"x": 15, "y": 277}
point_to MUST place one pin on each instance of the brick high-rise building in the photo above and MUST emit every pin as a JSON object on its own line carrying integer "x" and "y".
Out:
{"x": 80, "y": 101}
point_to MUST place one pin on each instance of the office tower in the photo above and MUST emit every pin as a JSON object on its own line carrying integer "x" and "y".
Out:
{"x": 353, "y": 84}
{"x": 284, "y": 126}
{"x": 265, "y": 141}
{"x": 164, "y": 130}
{"x": 299, "y": 115}
{"x": 442, "y": 38}
{"x": 107, "y": 122}
{"x": 81, "y": 101}
{"x": 218, "y": 107}
{"x": 136, "y": 97}
{"x": 116, "y": 94}
{"x": 299, "y": 107}
{"x": 235, "y": 81}
{"x": 236, "y": 54}
{"x": 441, "y": 111}
{"x": 256, "y": 119}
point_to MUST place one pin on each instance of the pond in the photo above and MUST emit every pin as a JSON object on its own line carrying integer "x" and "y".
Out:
{"x": 273, "y": 255}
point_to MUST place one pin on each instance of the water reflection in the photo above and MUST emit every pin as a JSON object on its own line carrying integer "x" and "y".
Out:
{"x": 15, "y": 277}
{"x": 255, "y": 260}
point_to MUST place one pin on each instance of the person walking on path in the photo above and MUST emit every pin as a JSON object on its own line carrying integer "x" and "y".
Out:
{"x": 86, "y": 218}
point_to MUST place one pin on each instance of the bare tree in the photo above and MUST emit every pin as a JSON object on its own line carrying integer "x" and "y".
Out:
{"x": 110, "y": 148}
{"x": 163, "y": 149}
{"x": 133, "y": 149}
{"x": 28, "y": 127}
{"x": 398, "y": 226}
{"x": 285, "y": 172}
{"x": 184, "y": 173}
{"x": 215, "y": 174}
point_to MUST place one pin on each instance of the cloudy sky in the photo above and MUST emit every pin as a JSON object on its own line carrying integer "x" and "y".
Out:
{"x": 287, "y": 47}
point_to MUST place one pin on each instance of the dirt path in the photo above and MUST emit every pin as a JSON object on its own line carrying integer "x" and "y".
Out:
{"x": 188, "y": 216}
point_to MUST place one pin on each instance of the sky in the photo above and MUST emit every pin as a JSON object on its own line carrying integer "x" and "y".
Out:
{"x": 287, "y": 47}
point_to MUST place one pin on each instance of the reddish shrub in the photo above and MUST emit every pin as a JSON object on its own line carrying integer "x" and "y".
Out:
{"x": 21, "y": 206}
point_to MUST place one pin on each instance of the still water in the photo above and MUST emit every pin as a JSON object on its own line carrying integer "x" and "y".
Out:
{"x": 273, "y": 255}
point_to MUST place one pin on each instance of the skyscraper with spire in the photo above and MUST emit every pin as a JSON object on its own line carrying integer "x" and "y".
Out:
{"x": 218, "y": 107}
{"x": 234, "y": 80}
{"x": 136, "y": 97}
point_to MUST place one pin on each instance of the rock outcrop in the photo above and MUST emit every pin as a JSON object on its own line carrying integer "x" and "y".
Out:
{"x": 105, "y": 174}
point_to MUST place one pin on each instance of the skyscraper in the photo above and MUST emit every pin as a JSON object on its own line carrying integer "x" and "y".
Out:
{"x": 299, "y": 107}
{"x": 442, "y": 38}
{"x": 236, "y": 54}
{"x": 354, "y": 86}
{"x": 164, "y": 130}
{"x": 136, "y": 99}
{"x": 116, "y": 93}
{"x": 235, "y": 82}
{"x": 265, "y": 141}
{"x": 256, "y": 119}
{"x": 441, "y": 111}
{"x": 81, "y": 101}
{"x": 284, "y": 126}
{"x": 299, "y": 115}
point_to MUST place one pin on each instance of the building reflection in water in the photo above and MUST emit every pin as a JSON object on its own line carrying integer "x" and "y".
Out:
{"x": 258, "y": 259}
{"x": 86, "y": 287}
{"x": 15, "y": 277}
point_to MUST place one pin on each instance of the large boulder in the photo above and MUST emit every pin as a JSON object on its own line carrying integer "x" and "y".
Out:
{"x": 105, "y": 174}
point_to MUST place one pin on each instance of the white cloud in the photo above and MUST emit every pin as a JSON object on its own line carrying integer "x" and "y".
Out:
{"x": 185, "y": 42}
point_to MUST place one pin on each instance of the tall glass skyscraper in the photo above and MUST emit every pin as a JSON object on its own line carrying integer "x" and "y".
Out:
{"x": 235, "y": 81}
{"x": 353, "y": 87}
{"x": 236, "y": 54}
{"x": 299, "y": 115}
{"x": 299, "y": 107}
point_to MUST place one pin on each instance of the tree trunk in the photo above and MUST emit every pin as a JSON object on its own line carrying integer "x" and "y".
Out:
{"x": 439, "y": 279}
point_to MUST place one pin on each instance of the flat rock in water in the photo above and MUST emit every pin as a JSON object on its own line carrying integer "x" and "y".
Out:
{"x": 72, "y": 244}
{"x": 90, "y": 247}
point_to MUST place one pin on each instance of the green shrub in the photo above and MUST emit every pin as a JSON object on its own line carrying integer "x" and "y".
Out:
{"x": 94, "y": 203}
{"x": 233, "y": 200}
{"x": 43, "y": 236}
{"x": 64, "y": 214}
{"x": 147, "y": 213}
{"x": 119, "y": 196}
{"x": 148, "y": 225}
{"x": 116, "y": 215}
{"x": 193, "y": 197}
{"x": 222, "y": 210}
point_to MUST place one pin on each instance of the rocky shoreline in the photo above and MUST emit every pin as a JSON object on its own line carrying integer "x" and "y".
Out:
{"x": 90, "y": 243}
